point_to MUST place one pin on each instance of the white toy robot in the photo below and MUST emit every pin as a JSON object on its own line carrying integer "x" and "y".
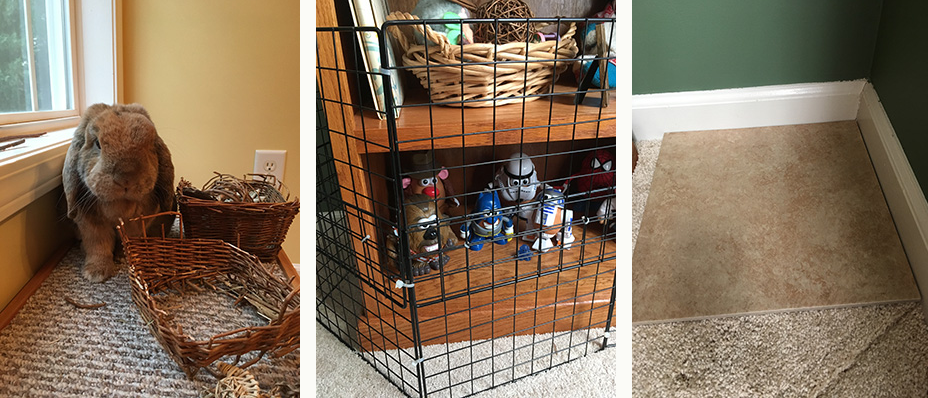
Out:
{"x": 550, "y": 216}
{"x": 518, "y": 184}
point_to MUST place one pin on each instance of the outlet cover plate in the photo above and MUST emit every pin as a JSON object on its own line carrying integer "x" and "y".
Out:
{"x": 270, "y": 162}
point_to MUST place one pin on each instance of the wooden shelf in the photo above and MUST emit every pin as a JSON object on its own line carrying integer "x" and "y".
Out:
{"x": 553, "y": 118}
{"x": 497, "y": 295}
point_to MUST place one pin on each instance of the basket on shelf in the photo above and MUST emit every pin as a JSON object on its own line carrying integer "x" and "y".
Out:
{"x": 163, "y": 265}
{"x": 226, "y": 209}
{"x": 504, "y": 82}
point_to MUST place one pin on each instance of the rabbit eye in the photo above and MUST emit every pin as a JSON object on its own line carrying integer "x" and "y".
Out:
{"x": 96, "y": 143}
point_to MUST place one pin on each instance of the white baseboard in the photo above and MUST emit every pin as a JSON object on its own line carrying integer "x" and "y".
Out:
{"x": 900, "y": 187}
{"x": 656, "y": 114}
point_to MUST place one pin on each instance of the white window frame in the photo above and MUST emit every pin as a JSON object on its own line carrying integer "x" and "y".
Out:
{"x": 31, "y": 170}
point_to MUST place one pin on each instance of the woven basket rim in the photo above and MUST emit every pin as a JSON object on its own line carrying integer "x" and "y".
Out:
{"x": 203, "y": 202}
{"x": 181, "y": 196}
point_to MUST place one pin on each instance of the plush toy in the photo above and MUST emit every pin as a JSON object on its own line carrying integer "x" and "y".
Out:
{"x": 517, "y": 183}
{"x": 426, "y": 235}
{"x": 552, "y": 220}
{"x": 486, "y": 222}
{"x": 594, "y": 181}
{"x": 444, "y": 9}
{"x": 424, "y": 180}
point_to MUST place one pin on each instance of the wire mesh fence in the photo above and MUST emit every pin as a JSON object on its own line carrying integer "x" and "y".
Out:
{"x": 466, "y": 234}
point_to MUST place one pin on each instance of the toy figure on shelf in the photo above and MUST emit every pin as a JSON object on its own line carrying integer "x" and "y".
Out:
{"x": 518, "y": 183}
{"x": 552, "y": 220}
{"x": 425, "y": 181}
{"x": 487, "y": 223}
{"x": 524, "y": 253}
{"x": 594, "y": 181}
{"x": 599, "y": 45}
{"x": 426, "y": 235}
{"x": 606, "y": 213}
{"x": 445, "y": 9}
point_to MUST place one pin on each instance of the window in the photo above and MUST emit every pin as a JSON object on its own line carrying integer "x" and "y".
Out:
{"x": 36, "y": 62}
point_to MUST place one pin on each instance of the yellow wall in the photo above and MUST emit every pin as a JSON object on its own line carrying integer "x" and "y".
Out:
{"x": 220, "y": 80}
{"x": 27, "y": 240}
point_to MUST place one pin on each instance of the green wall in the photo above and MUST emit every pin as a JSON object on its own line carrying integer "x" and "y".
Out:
{"x": 681, "y": 45}
{"x": 900, "y": 77}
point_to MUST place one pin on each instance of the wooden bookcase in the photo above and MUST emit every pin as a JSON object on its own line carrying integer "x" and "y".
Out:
{"x": 478, "y": 295}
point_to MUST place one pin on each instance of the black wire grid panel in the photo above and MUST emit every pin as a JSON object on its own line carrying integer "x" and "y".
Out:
{"x": 531, "y": 185}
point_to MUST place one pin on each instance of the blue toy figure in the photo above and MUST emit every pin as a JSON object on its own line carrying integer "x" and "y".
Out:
{"x": 525, "y": 253}
{"x": 487, "y": 223}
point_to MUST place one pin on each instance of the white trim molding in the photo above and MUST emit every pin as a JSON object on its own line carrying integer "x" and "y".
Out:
{"x": 656, "y": 114}
{"x": 28, "y": 173}
{"x": 903, "y": 193}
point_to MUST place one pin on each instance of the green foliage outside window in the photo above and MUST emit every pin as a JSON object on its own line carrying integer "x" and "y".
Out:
{"x": 14, "y": 88}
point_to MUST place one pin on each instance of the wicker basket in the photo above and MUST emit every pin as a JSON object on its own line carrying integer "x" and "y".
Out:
{"x": 258, "y": 228}
{"x": 505, "y": 82}
{"x": 159, "y": 264}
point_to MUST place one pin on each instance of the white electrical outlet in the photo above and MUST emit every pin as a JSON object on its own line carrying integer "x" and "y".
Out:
{"x": 270, "y": 162}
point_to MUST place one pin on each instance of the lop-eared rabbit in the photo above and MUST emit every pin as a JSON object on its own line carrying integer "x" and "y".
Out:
{"x": 116, "y": 168}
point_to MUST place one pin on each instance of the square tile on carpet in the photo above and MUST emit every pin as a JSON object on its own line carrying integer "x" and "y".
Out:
{"x": 765, "y": 219}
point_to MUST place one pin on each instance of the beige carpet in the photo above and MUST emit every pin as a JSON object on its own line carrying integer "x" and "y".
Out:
{"x": 765, "y": 219}
{"x": 862, "y": 351}
{"x": 341, "y": 372}
{"x": 52, "y": 349}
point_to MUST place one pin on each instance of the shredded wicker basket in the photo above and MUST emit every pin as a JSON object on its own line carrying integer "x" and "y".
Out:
{"x": 505, "y": 82}
{"x": 258, "y": 228}
{"x": 158, "y": 265}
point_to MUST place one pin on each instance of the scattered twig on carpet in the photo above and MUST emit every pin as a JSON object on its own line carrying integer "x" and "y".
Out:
{"x": 86, "y": 306}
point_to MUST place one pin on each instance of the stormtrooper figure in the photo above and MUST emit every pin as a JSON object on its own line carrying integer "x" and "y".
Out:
{"x": 517, "y": 183}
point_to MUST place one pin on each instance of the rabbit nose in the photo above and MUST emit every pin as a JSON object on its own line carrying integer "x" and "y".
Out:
{"x": 121, "y": 182}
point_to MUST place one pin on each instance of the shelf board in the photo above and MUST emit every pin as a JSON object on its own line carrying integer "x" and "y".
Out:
{"x": 549, "y": 118}
{"x": 487, "y": 293}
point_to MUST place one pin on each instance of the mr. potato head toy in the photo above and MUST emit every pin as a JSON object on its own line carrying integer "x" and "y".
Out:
{"x": 427, "y": 178}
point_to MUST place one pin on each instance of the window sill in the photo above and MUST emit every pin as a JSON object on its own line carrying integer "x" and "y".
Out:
{"x": 32, "y": 170}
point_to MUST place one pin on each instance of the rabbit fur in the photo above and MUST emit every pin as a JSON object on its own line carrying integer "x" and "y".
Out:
{"x": 116, "y": 168}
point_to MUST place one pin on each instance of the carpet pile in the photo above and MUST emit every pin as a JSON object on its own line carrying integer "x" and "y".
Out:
{"x": 54, "y": 349}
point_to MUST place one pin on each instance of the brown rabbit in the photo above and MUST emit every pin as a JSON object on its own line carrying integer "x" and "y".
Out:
{"x": 117, "y": 167}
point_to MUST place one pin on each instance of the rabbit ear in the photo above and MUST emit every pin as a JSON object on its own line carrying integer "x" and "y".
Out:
{"x": 69, "y": 175}
{"x": 71, "y": 181}
{"x": 164, "y": 186}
